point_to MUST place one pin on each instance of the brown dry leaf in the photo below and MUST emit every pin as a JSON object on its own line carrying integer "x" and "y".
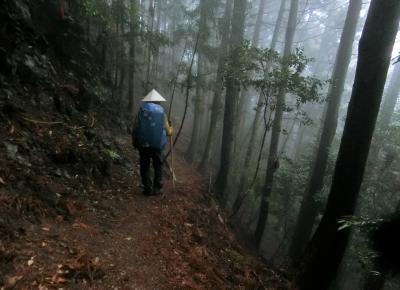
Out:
{"x": 188, "y": 284}
{"x": 12, "y": 281}
{"x": 71, "y": 207}
{"x": 31, "y": 261}
{"x": 199, "y": 251}
{"x": 57, "y": 279}
{"x": 80, "y": 225}
{"x": 72, "y": 89}
{"x": 12, "y": 129}
{"x": 221, "y": 219}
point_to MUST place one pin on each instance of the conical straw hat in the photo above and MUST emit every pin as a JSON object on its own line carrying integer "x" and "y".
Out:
{"x": 154, "y": 96}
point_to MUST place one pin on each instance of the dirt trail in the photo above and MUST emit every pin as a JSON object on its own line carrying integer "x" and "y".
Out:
{"x": 121, "y": 239}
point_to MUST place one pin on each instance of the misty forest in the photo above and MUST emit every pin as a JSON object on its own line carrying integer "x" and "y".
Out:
{"x": 199, "y": 144}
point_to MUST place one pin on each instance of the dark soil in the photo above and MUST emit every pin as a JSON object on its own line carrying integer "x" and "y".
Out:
{"x": 116, "y": 238}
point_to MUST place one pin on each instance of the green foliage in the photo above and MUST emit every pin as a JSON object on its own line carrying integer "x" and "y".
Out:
{"x": 112, "y": 154}
{"x": 380, "y": 187}
{"x": 110, "y": 13}
{"x": 360, "y": 249}
{"x": 119, "y": 11}
{"x": 362, "y": 223}
{"x": 98, "y": 9}
{"x": 291, "y": 180}
{"x": 155, "y": 39}
{"x": 102, "y": 92}
{"x": 266, "y": 71}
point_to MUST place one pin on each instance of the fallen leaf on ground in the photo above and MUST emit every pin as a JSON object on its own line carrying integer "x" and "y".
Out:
{"x": 31, "y": 261}
{"x": 12, "y": 129}
{"x": 86, "y": 227}
{"x": 220, "y": 219}
{"x": 10, "y": 282}
{"x": 57, "y": 279}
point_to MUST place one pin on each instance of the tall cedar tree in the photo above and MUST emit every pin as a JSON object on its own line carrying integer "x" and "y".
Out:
{"x": 217, "y": 104}
{"x": 276, "y": 130}
{"x": 133, "y": 26}
{"x": 232, "y": 94}
{"x": 374, "y": 281}
{"x": 251, "y": 148}
{"x": 328, "y": 245}
{"x": 245, "y": 96}
{"x": 386, "y": 112}
{"x": 259, "y": 22}
{"x": 390, "y": 100}
{"x": 198, "y": 101}
{"x": 310, "y": 206}
{"x": 151, "y": 18}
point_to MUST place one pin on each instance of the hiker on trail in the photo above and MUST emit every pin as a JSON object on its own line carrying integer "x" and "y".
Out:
{"x": 149, "y": 136}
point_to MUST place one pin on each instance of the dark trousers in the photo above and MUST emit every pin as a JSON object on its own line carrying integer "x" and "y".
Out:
{"x": 146, "y": 156}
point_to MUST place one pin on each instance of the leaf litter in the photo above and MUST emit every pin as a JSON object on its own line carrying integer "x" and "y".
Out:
{"x": 115, "y": 238}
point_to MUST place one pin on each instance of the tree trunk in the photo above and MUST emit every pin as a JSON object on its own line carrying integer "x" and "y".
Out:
{"x": 149, "y": 54}
{"x": 298, "y": 145}
{"x": 259, "y": 21}
{"x": 328, "y": 245}
{"x": 246, "y": 172}
{"x": 386, "y": 113}
{"x": 155, "y": 68}
{"x": 232, "y": 94}
{"x": 276, "y": 130}
{"x": 277, "y": 28}
{"x": 122, "y": 74}
{"x": 244, "y": 99}
{"x": 309, "y": 207}
{"x": 191, "y": 154}
{"x": 132, "y": 55}
{"x": 117, "y": 64}
{"x": 218, "y": 100}
{"x": 390, "y": 100}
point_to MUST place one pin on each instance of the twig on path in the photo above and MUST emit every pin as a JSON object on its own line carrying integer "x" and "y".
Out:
{"x": 41, "y": 122}
{"x": 52, "y": 123}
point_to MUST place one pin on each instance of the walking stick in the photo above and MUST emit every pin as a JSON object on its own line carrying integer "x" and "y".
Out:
{"x": 171, "y": 143}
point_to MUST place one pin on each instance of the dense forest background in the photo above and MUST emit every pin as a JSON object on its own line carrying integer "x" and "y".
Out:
{"x": 259, "y": 95}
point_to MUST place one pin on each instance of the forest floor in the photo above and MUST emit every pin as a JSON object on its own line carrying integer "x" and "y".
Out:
{"x": 116, "y": 238}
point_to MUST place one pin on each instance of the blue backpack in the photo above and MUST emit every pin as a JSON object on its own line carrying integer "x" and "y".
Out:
{"x": 150, "y": 132}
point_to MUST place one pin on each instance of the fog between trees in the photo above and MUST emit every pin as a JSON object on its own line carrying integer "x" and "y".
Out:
{"x": 266, "y": 85}
{"x": 288, "y": 109}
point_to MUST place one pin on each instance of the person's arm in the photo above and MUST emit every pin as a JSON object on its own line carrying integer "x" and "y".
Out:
{"x": 168, "y": 127}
